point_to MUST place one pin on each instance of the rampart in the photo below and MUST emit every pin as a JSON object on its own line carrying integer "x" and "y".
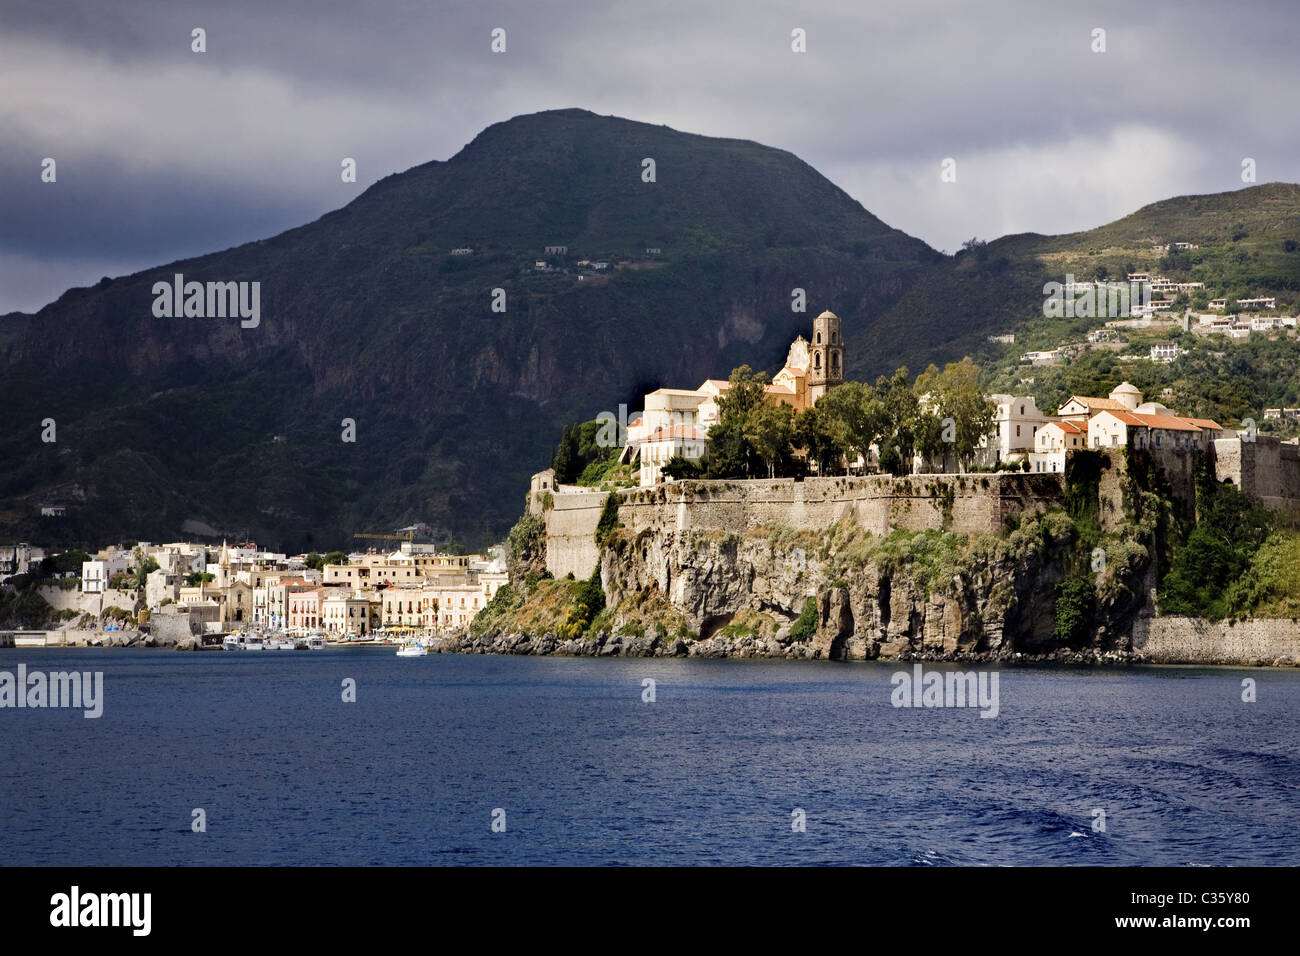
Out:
{"x": 878, "y": 503}
{"x": 1189, "y": 640}
{"x": 1266, "y": 469}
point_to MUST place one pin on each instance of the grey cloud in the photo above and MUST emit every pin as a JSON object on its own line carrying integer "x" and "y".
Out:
{"x": 164, "y": 153}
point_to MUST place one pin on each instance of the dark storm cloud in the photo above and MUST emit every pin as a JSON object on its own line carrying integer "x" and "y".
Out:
{"x": 164, "y": 153}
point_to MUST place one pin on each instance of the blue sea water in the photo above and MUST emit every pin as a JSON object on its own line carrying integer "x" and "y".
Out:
{"x": 588, "y": 773}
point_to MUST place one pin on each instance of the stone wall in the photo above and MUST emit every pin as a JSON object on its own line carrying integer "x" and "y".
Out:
{"x": 168, "y": 625}
{"x": 1189, "y": 640}
{"x": 93, "y": 604}
{"x": 1266, "y": 469}
{"x": 878, "y": 503}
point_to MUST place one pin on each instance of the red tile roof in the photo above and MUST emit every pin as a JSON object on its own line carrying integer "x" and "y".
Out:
{"x": 1100, "y": 404}
{"x": 1166, "y": 422}
{"x": 1068, "y": 427}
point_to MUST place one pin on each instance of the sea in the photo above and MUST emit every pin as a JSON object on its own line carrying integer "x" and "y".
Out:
{"x": 247, "y": 758}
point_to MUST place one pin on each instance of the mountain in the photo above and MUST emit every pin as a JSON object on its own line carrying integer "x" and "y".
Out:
{"x": 197, "y": 426}
{"x": 170, "y": 426}
{"x": 1248, "y": 244}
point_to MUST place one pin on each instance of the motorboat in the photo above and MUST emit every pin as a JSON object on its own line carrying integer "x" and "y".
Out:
{"x": 412, "y": 649}
{"x": 315, "y": 643}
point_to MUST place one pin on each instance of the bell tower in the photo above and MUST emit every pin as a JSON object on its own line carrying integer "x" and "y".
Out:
{"x": 825, "y": 356}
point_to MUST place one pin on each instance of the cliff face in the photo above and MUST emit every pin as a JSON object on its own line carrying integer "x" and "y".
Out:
{"x": 937, "y": 594}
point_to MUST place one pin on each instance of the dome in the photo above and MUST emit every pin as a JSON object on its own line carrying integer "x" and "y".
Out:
{"x": 828, "y": 314}
{"x": 1127, "y": 395}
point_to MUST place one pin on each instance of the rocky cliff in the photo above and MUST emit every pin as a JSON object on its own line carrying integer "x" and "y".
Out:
{"x": 837, "y": 593}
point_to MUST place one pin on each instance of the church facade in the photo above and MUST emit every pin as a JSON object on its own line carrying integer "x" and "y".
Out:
{"x": 676, "y": 421}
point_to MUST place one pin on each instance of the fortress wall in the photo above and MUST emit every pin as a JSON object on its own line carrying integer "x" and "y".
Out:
{"x": 880, "y": 504}
{"x": 61, "y": 600}
{"x": 1266, "y": 469}
{"x": 1188, "y": 640}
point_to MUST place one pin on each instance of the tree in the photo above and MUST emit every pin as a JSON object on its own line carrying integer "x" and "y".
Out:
{"x": 334, "y": 557}
{"x": 928, "y": 435}
{"x": 770, "y": 432}
{"x": 746, "y": 396}
{"x": 813, "y": 433}
{"x": 585, "y": 451}
{"x": 315, "y": 561}
{"x": 901, "y": 421}
{"x": 957, "y": 398}
{"x": 679, "y": 467}
{"x": 565, "y": 459}
{"x": 1229, "y": 530}
{"x": 854, "y": 418}
{"x": 142, "y": 566}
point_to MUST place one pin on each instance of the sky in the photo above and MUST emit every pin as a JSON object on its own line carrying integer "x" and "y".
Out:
{"x": 162, "y": 153}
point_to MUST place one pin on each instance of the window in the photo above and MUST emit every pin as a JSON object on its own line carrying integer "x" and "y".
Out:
{"x": 1017, "y": 431}
{"x": 819, "y": 338}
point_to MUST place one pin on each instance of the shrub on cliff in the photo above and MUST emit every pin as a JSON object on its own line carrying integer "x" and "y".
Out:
{"x": 526, "y": 549}
{"x": 1076, "y": 605}
{"x": 1271, "y": 586}
{"x": 588, "y": 601}
{"x": 1219, "y": 550}
{"x": 805, "y": 625}
{"x": 608, "y": 522}
{"x": 502, "y": 603}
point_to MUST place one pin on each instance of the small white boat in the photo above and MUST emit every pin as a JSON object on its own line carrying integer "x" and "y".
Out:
{"x": 233, "y": 642}
{"x": 412, "y": 649}
{"x": 254, "y": 642}
{"x": 315, "y": 643}
{"x": 281, "y": 644}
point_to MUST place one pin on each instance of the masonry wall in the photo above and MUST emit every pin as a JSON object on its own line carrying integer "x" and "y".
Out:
{"x": 880, "y": 504}
{"x": 61, "y": 600}
{"x": 1266, "y": 469}
{"x": 1189, "y": 640}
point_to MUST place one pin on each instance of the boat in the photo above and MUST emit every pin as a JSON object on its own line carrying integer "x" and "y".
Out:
{"x": 233, "y": 642}
{"x": 315, "y": 643}
{"x": 254, "y": 642}
{"x": 412, "y": 649}
{"x": 281, "y": 644}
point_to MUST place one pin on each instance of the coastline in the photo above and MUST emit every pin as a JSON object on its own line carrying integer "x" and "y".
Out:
{"x": 1260, "y": 642}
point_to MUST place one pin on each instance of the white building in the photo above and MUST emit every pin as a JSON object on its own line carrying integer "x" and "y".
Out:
{"x": 96, "y": 574}
{"x": 1016, "y": 422}
{"x": 685, "y": 441}
{"x": 1053, "y": 441}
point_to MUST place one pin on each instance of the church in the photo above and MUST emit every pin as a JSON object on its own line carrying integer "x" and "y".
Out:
{"x": 676, "y": 421}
